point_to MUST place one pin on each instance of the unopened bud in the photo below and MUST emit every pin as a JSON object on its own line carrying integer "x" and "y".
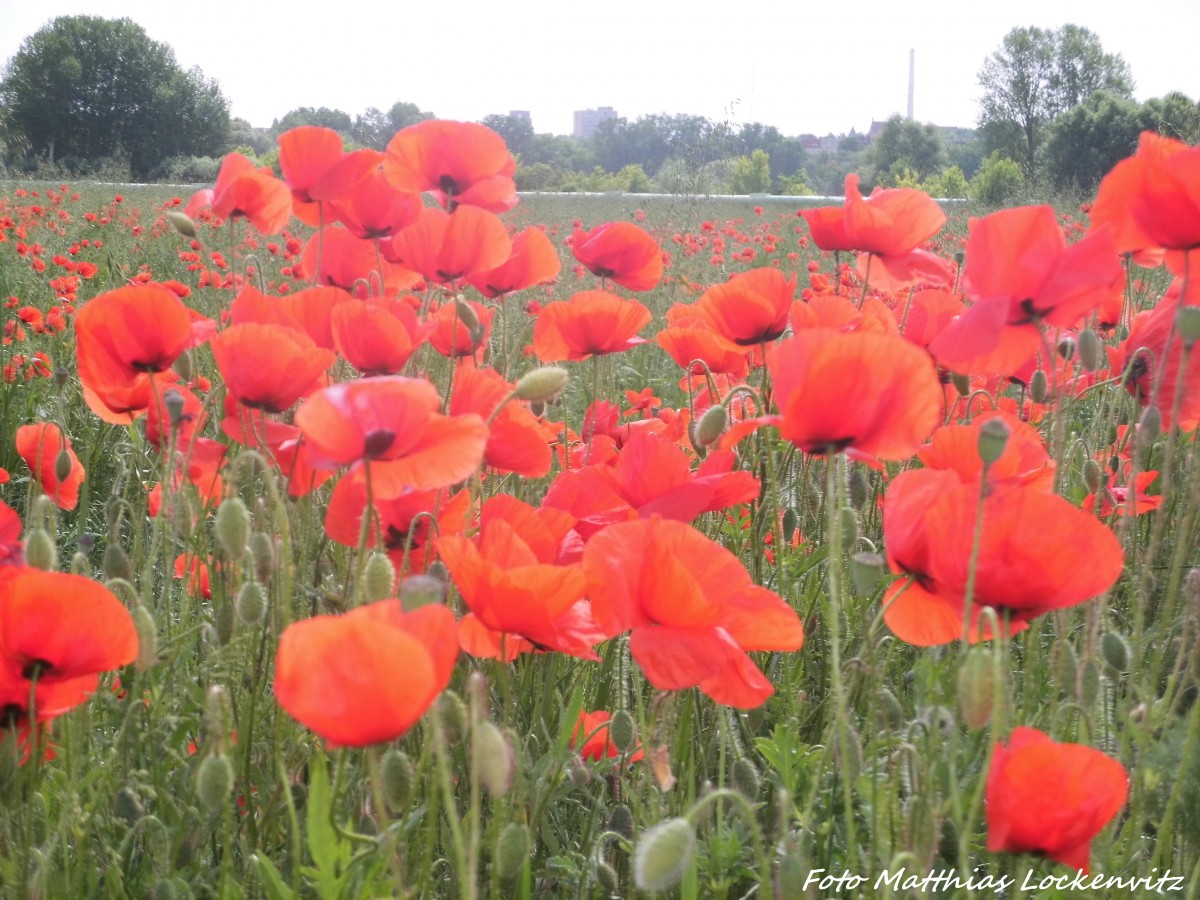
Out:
{"x": 962, "y": 383}
{"x": 993, "y": 438}
{"x": 181, "y": 222}
{"x": 848, "y": 520}
{"x": 1093, "y": 476}
{"x": 218, "y": 712}
{"x": 1038, "y": 386}
{"x": 214, "y": 781}
{"x": 890, "y": 709}
{"x": 1088, "y": 345}
{"x": 233, "y": 527}
{"x": 1089, "y": 682}
{"x": 745, "y": 779}
{"x": 62, "y": 465}
{"x": 396, "y": 774}
{"x": 1115, "y": 650}
{"x": 80, "y": 565}
{"x": 494, "y": 758}
{"x": 251, "y": 603}
{"x": 1149, "y": 428}
{"x": 859, "y": 488}
{"x": 512, "y": 850}
{"x": 421, "y": 590}
{"x": 1065, "y": 664}
{"x": 791, "y": 524}
{"x": 40, "y": 550}
{"x": 174, "y": 404}
{"x": 976, "y": 688}
{"x": 185, "y": 366}
{"x": 1187, "y": 322}
{"x": 620, "y": 820}
{"x": 147, "y": 637}
{"x": 116, "y": 563}
{"x": 866, "y": 571}
{"x": 1066, "y": 347}
{"x": 607, "y": 878}
{"x": 663, "y": 854}
{"x": 542, "y": 385}
{"x": 127, "y": 806}
{"x": 262, "y": 553}
{"x": 623, "y": 731}
{"x": 452, "y": 714}
{"x": 711, "y": 425}
{"x": 379, "y": 576}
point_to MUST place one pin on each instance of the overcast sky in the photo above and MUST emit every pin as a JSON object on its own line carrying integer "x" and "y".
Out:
{"x": 799, "y": 65}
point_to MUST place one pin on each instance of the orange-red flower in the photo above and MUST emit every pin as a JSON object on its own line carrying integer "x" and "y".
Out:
{"x": 750, "y": 308}
{"x": 334, "y": 257}
{"x": 891, "y": 222}
{"x": 306, "y": 154}
{"x": 516, "y": 441}
{"x": 245, "y": 190}
{"x": 40, "y": 446}
{"x": 269, "y": 367}
{"x": 376, "y": 336}
{"x": 443, "y": 247}
{"x": 1049, "y": 798}
{"x": 12, "y": 550}
{"x": 592, "y": 740}
{"x": 590, "y": 323}
{"x": 461, "y": 163}
{"x": 873, "y": 393}
{"x": 533, "y": 261}
{"x": 367, "y": 676}
{"x": 620, "y": 251}
{"x": 692, "y": 608}
{"x": 361, "y": 198}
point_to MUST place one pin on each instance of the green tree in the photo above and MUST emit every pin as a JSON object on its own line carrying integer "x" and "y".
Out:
{"x": 322, "y": 117}
{"x": 517, "y": 132}
{"x": 949, "y": 184}
{"x": 1090, "y": 139}
{"x": 905, "y": 144}
{"x": 374, "y": 128}
{"x": 751, "y": 174}
{"x": 86, "y": 88}
{"x": 998, "y": 181}
{"x": 1174, "y": 115}
{"x": 1036, "y": 76}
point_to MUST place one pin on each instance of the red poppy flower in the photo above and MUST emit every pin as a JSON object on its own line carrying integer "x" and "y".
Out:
{"x": 1124, "y": 500}
{"x": 516, "y": 442}
{"x": 620, "y": 251}
{"x": 891, "y": 222}
{"x": 309, "y": 310}
{"x": 687, "y": 339}
{"x": 1025, "y": 460}
{"x": 366, "y": 676}
{"x": 269, "y": 367}
{"x": 12, "y": 550}
{"x": 1021, "y": 273}
{"x": 392, "y": 424}
{"x": 444, "y": 247}
{"x": 196, "y": 572}
{"x": 1152, "y": 199}
{"x": 513, "y": 584}
{"x": 376, "y": 336}
{"x": 929, "y": 524}
{"x": 461, "y": 163}
{"x": 306, "y": 154}
{"x": 750, "y": 308}
{"x": 533, "y": 260}
{"x": 452, "y": 334}
{"x": 361, "y": 198}
{"x": 692, "y": 607}
{"x": 876, "y": 394}
{"x": 244, "y": 190}
{"x": 591, "y": 737}
{"x": 40, "y": 445}
{"x": 590, "y": 323}
{"x": 335, "y": 257}
{"x": 1049, "y": 798}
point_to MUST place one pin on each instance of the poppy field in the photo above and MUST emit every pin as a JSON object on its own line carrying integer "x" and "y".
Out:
{"x": 367, "y": 530}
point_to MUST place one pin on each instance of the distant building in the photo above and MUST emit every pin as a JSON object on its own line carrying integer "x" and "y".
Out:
{"x": 588, "y": 120}
{"x": 520, "y": 114}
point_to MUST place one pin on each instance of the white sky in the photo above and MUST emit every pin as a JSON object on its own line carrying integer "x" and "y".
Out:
{"x": 800, "y": 65}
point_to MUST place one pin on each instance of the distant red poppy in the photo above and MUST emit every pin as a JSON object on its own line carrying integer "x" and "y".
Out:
{"x": 592, "y": 740}
{"x": 443, "y": 247}
{"x": 461, "y": 163}
{"x": 1049, "y": 798}
{"x": 590, "y": 323}
{"x": 367, "y": 676}
{"x": 1123, "y": 500}
{"x": 40, "y": 445}
{"x": 306, "y": 154}
{"x": 269, "y": 367}
{"x": 12, "y": 549}
{"x": 750, "y": 308}
{"x": 1025, "y": 460}
{"x": 191, "y": 567}
{"x": 242, "y": 189}
{"x": 692, "y": 608}
{"x": 376, "y": 336}
{"x": 891, "y": 222}
{"x": 620, "y": 251}
{"x": 876, "y": 394}
{"x": 452, "y": 334}
{"x": 533, "y": 260}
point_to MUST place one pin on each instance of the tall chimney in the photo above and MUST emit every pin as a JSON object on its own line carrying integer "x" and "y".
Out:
{"x": 912, "y": 70}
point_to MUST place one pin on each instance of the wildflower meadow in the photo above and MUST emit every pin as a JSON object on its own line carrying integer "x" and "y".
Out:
{"x": 369, "y": 531}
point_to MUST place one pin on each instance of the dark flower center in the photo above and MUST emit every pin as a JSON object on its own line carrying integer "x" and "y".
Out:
{"x": 377, "y": 443}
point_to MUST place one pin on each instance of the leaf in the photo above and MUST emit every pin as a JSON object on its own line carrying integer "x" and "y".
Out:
{"x": 272, "y": 881}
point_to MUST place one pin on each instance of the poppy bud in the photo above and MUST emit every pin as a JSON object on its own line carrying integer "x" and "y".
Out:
{"x": 1149, "y": 428}
{"x": 147, "y": 637}
{"x": 452, "y": 714}
{"x": 1065, "y": 663}
{"x": 663, "y": 854}
{"x": 791, "y": 523}
{"x": 848, "y": 520}
{"x": 866, "y": 570}
{"x": 40, "y": 550}
{"x": 62, "y": 465}
{"x": 745, "y": 779}
{"x": 184, "y": 366}
{"x": 620, "y": 820}
{"x": 437, "y": 569}
{"x": 80, "y": 565}
{"x": 623, "y": 731}
{"x": 792, "y": 874}
{"x": 262, "y": 554}
{"x": 116, "y": 564}
{"x": 993, "y": 438}
{"x": 848, "y": 758}
{"x": 251, "y": 603}
{"x": 217, "y": 711}
{"x": 225, "y": 616}
{"x": 1093, "y": 476}
{"x": 379, "y": 576}
{"x": 859, "y": 488}
{"x": 421, "y": 590}
{"x": 538, "y": 408}
{"x": 164, "y": 889}
{"x": 396, "y": 775}
{"x": 577, "y": 772}
{"x": 1066, "y": 347}
{"x": 1038, "y": 386}
{"x": 1115, "y": 650}
{"x": 1089, "y": 682}
{"x": 466, "y": 315}
{"x": 127, "y": 806}
{"x": 233, "y": 527}
{"x": 61, "y": 376}
{"x": 214, "y": 781}
{"x": 711, "y": 425}
{"x": 512, "y": 850}
{"x": 607, "y": 878}
{"x": 1088, "y": 345}
{"x": 892, "y": 712}
{"x": 542, "y": 385}
{"x": 976, "y": 688}
{"x": 181, "y": 222}
{"x": 174, "y": 405}
{"x": 1187, "y": 321}
{"x": 494, "y": 758}
{"x": 962, "y": 383}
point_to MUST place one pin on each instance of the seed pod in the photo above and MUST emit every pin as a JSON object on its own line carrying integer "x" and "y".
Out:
{"x": 379, "y": 576}
{"x": 623, "y": 731}
{"x": 147, "y": 637}
{"x": 663, "y": 854}
{"x": 233, "y": 527}
{"x": 251, "y": 603}
{"x": 866, "y": 571}
{"x": 512, "y": 850}
{"x": 976, "y": 688}
{"x": 1187, "y": 323}
{"x": 214, "y": 781}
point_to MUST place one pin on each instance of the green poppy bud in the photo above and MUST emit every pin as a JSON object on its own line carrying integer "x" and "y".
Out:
{"x": 663, "y": 854}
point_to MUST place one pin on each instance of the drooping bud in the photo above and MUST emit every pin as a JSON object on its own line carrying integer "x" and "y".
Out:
{"x": 396, "y": 774}
{"x": 1066, "y": 347}
{"x": 62, "y": 465}
{"x": 623, "y": 731}
{"x": 174, "y": 404}
{"x": 542, "y": 385}
{"x": 711, "y": 425}
{"x": 218, "y": 713}
{"x": 866, "y": 570}
{"x": 40, "y": 550}
{"x": 976, "y": 688}
{"x": 791, "y": 523}
{"x": 421, "y": 590}
{"x": 251, "y": 603}
{"x": 214, "y": 781}
{"x": 1089, "y": 682}
{"x": 1115, "y": 650}
{"x": 1088, "y": 345}
{"x": 512, "y": 850}
{"x": 379, "y": 576}
{"x": 1039, "y": 386}
{"x": 663, "y": 854}
{"x": 1149, "y": 428}
{"x": 620, "y": 820}
{"x": 80, "y": 565}
{"x": 848, "y": 520}
{"x": 233, "y": 527}
{"x": 185, "y": 366}
{"x": 147, "y": 637}
{"x": 1093, "y": 476}
{"x": 607, "y": 878}
{"x": 494, "y": 758}
{"x": 993, "y": 438}
{"x": 181, "y": 222}
{"x": 127, "y": 806}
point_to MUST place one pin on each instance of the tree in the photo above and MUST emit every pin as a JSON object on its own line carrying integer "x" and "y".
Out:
{"x": 1088, "y": 140}
{"x": 85, "y": 88}
{"x": 1174, "y": 115}
{"x": 751, "y": 174}
{"x": 998, "y": 181}
{"x": 1035, "y": 76}
{"x": 905, "y": 144}
{"x": 374, "y": 128}
{"x": 517, "y": 132}
{"x": 322, "y": 117}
